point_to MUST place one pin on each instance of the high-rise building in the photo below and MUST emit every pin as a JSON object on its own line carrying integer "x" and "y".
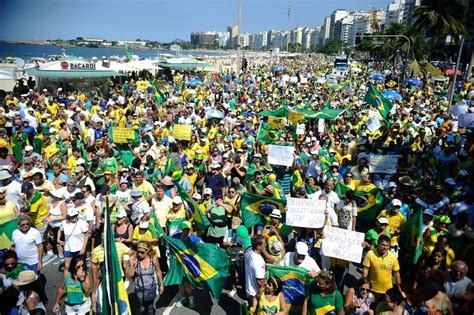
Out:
{"x": 204, "y": 39}
{"x": 408, "y": 11}
{"x": 336, "y": 16}
{"x": 395, "y": 12}
{"x": 325, "y": 30}
{"x": 233, "y": 34}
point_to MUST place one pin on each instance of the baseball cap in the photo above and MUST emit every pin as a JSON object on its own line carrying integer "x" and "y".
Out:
{"x": 79, "y": 169}
{"x": 72, "y": 211}
{"x": 78, "y": 195}
{"x": 392, "y": 184}
{"x": 186, "y": 225}
{"x": 301, "y": 248}
{"x": 463, "y": 172}
{"x": 28, "y": 148}
{"x": 275, "y": 214}
{"x": 383, "y": 220}
{"x": 121, "y": 214}
{"x": 450, "y": 181}
{"x": 197, "y": 196}
{"x": 25, "y": 187}
{"x": 135, "y": 193}
{"x": 396, "y": 202}
{"x": 177, "y": 200}
{"x": 207, "y": 191}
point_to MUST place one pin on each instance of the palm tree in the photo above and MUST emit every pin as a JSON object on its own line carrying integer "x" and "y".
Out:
{"x": 440, "y": 18}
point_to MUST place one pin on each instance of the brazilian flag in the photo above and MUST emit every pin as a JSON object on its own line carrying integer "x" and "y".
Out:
{"x": 375, "y": 98}
{"x": 169, "y": 166}
{"x": 295, "y": 280}
{"x": 200, "y": 219}
{"x": 267, "y": 134}
{"x": 368, "y": 204}
{"x": 411, "y": 237}
{"x": 201, "y": 264}
{"x": 159, "y": 96}
{"x": 6, "y": 231}
{"x": 114, "y": 295}
{"x": 256, "y": 208}
{"x": 17, "y": 146}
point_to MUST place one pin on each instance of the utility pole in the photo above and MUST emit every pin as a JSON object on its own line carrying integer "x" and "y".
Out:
{"x": 288, "y": 27}
{"x": 455, "y": 76}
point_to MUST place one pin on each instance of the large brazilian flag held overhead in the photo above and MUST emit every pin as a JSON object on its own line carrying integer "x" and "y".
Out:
{"x": 295, "y": 280}
{"x": 201, "y": 264}
{"x": 255, "y": 208}
{"x": 375, "y": 98}
{"x": 368, "y": 204}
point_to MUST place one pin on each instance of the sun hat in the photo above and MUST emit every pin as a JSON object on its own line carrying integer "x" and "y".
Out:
{"x": 276, "y": 213}
{"x": 275, "y": 248}
{"x": 406, "y": 181}
{"x": 25, "y": 277}
{"x": 5, "y": 174}
{"x": 167, "y": 181}
{"x": 135, "y": 193}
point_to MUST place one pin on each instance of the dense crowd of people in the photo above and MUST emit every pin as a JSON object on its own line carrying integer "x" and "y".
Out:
{"x": 60, "y": 169}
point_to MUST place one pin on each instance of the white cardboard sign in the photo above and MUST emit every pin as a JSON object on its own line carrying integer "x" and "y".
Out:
{"x": 342, "y": 244}
{"x": 386, "y": 164}
{"x": 307, "y": 213}
{"x": 300, "y": 129}
{"x": 280, "y": 155}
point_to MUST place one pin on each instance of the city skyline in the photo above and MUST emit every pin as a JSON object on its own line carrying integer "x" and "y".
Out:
{"x": 157, "y": 22}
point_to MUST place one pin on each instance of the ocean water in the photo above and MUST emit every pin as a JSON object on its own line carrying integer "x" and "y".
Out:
{"x": 26, "y": 51}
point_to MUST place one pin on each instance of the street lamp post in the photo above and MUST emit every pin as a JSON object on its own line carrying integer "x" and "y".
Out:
{"x": 455, "y": 76}
{"x": 289, "y": 34}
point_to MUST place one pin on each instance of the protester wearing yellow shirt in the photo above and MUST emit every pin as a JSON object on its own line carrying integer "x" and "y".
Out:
{"x": 202, "y": 146}
{"x": 36, "y": 206}
{"x": 380, "y": 265}
{"x": 365, "y": 184}
{"x": 191, "y": 176}
{"x": 71, "y": 163}
{"x": 147, "y": 189}
{"x": 395, "y": 219}
{"x": 141, "y": 233}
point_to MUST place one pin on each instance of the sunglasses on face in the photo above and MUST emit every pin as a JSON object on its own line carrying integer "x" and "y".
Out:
{"x": 24, "y": 224}
{"x": 364, "y": 289}
{"x": 141, "y": 252}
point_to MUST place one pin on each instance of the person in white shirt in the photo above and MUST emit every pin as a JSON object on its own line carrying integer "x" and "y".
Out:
{"x": 12, "y": 187}
{"x": 300, "y": 258}
{"x": 254, "y": 268}
{"x": 76, "y": 234}
{"x": 332, "y": 197}
{"x": 28, "y": 244}
{"x": 70, "y": 189}
{"x": 140, "y": 206}
{"x": 123, "y": 193}
{"x": 86, "y": 212}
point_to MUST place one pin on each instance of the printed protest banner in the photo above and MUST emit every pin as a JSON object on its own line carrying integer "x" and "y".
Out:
{"x": 182, "y": 132}
{"x": 123, "y": 135}
{"x": 342, "y": 244}
{"x": 386, "y": 164}
{"x": 280, "y": 155}
{"x": 295, "y": 117}
{"x": 303, "y": 80}
{"x": 305, "y": 212}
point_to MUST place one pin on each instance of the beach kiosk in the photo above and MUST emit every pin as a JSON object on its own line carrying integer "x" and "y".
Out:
{"x": 71, "y": 73}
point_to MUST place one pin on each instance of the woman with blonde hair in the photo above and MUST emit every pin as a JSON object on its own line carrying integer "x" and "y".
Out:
{"x": 144, "y": 268}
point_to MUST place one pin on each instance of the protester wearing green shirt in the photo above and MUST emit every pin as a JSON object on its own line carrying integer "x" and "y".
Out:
{"x": 323, "y": 297}
{"x": 381, "y": 228}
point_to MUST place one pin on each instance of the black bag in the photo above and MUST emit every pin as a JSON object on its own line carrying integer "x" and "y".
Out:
{"x": 149, "y": 294}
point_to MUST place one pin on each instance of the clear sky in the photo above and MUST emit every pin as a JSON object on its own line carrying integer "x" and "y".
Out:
{"x": 162, "y": 20}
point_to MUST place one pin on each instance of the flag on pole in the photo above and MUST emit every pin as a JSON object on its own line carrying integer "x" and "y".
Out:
{"x": 375, "y": 98}
{"x": 199, "y": 218}
{"x": 128, "y": 52}
{"x": 411, "y": 237}
{"x": 159, "y": 96}
{"x": 114, "y": 295}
